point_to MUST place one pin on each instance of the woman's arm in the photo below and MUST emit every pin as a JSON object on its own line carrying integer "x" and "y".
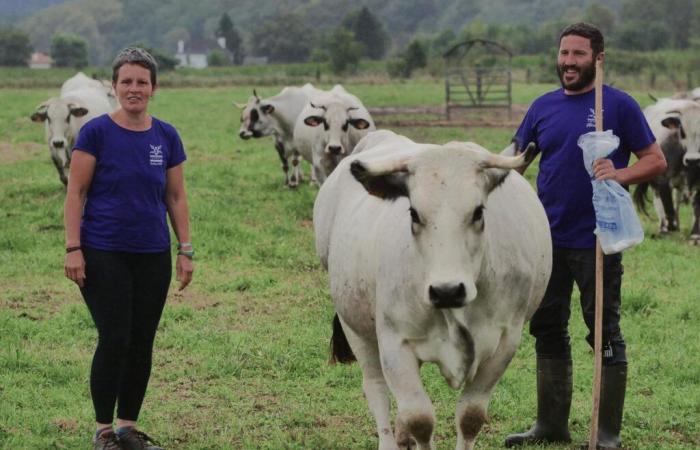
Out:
{"x": 176, "y": 202}
{"x": 82, "y": 168}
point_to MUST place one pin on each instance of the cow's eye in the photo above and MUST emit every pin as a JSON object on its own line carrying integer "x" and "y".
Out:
{"x": 415, "y": 218}
{"x": 478, "y": 214}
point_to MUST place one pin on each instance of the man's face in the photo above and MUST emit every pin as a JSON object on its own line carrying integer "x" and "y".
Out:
{"x": 575, "y": 64}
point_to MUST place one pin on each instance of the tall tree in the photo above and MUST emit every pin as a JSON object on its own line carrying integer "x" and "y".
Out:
{"x": 15, "y": 49}
{"x": 234, "y": 43}
{"x": 600, "y": 16}
{"x": 369, "y": 31}
{"x": 344, "y": 51}
{"x": 285, "y": 38}
{"x": 69, "y": 50}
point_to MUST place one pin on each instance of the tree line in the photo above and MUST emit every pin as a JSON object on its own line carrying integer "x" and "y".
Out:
{"x": 288, "y": 36}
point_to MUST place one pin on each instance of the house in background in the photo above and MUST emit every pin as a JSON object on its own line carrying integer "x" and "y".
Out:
{"x": 40, "y": 60}
{"x": 194, "y": 53}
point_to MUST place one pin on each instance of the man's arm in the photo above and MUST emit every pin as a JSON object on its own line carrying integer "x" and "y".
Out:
{"x": 651, "y": 162}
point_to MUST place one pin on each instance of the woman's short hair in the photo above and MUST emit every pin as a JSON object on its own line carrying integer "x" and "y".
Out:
{"x": 138, "y": 56}
{"x": 588, "y": 31}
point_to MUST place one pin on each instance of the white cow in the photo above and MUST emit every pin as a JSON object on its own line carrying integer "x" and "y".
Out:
{"x": 328, "y": 129}
{"x": 80, "y": 81}
{"x": 277, "y": 116}
{"x": 676, "y": 126}
{"x": 65, "y": 115}
{"x": 435, "y": 254}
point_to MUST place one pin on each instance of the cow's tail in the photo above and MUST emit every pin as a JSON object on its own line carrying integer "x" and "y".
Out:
{"x": 340, "y": 348}
{"x": 640, "y": 197}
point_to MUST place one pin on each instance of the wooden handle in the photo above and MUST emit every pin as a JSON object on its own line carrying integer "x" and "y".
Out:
{"x": 598, "y": 334}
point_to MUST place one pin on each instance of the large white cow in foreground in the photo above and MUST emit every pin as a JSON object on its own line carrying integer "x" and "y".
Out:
{"x": 277, "y": 116}
{"x": 435, "y": 254}
{"x": 328, "y": 129}
{"x": 64, "y": 116}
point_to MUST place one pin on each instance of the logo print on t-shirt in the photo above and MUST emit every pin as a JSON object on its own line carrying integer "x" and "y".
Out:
{"x": 590, "y": 120}
{"x": 156, "y": 155}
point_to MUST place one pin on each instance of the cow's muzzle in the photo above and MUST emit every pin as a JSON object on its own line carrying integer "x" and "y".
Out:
{"x": 334, "y": 149}
{"x": 447, "y": 295}
{"x": 245, "y": 134}
{"x": 58, "y": 144}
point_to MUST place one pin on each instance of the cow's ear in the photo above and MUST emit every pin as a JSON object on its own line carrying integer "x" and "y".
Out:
{"x": 314, "y": 121}
{"x": 494, "y": 178}
{"x": 38, "y": 117}
{"x": 674, "y": 123}
{"x": 360, "y": 124}
{"x": 388, "y": 186}
{"x": 77, "y": 111}
{"x": 267, "y": 109}
{"x": 40, "y": 113}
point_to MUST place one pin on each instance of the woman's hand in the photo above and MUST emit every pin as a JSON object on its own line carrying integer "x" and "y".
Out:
{"x": 74, "y": 267}
{"x": 184, "y": 269}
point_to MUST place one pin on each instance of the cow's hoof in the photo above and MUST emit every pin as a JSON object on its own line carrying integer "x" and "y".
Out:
{"x": 694, "y": 239}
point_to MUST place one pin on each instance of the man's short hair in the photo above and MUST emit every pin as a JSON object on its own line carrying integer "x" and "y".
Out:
{"x": 588, "y": 31}
{"x": 138, "y": 56}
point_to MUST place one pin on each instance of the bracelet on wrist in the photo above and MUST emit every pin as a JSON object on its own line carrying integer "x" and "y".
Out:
{"x": 186, "y": 253}
{"x": 72, "y": 249}
{"x": 181, "y": 245}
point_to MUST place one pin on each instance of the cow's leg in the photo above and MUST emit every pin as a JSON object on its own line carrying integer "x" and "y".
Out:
{"x": 665, "y": 193}
{"x": 695, "y": 231}
{"x": 279, "y": 146}
{"x": 416, "y": 415}
{"x": 474, "y": 401}
{"x": 296, "y": 169}
{"x": 62, "y": 171}
{"x": 373, "y": 384}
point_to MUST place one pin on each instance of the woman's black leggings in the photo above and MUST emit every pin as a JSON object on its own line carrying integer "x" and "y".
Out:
{"x": 125, "y": 293}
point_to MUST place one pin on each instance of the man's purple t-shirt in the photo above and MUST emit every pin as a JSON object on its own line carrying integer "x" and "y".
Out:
{"x": 554, "y": 122}
{"x": 125, "y": 207}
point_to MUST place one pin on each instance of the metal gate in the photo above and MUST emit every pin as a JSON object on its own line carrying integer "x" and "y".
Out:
{"x": 478, "y": 75}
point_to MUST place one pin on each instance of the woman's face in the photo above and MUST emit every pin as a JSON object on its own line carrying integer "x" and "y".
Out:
{"x": 134, "y": 88}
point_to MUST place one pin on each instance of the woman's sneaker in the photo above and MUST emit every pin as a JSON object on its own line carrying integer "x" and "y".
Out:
{"x": 106, "y": 440}
{"x": 132, "y": 439}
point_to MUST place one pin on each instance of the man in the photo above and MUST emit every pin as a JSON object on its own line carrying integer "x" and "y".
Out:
{"x": 554, "y": 122}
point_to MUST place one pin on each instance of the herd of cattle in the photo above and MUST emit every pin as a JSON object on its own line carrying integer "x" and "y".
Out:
{"x": 423, "y": 243}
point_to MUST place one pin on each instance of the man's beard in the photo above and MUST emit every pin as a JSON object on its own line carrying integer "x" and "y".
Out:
{"x": 586, "y": 76}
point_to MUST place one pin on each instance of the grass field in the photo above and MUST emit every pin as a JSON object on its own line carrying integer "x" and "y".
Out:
{"x": 241, "y": 355}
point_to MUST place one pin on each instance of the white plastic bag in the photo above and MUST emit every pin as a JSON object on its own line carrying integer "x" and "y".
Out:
{"x": 617, "y": 225}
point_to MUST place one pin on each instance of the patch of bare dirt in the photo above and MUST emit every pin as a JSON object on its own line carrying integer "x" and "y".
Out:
{"x": 197, "y": 300}
{"x": 484, "y": 117}
{"x": 22, "y": 151}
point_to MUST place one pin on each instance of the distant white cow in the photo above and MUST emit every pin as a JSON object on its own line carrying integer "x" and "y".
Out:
{"x": 675, "y": 123}
{"x": 328, "y": 129}
{"x": 65, "y": 115}
{"x": 277, "y": 116}
{"x": 435, "y": 254}
{"x": 80, "y": 81}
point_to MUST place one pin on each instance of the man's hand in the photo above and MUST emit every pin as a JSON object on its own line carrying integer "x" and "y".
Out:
{"x": 603, "y": 169}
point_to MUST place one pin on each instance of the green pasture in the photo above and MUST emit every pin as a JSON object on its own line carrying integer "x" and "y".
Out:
{"x": 241, "y": 355}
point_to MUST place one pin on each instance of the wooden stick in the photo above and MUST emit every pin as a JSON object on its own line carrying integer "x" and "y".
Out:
{"x": 598, "y": 335}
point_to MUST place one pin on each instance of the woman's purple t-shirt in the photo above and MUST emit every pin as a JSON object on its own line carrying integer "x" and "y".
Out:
{"x": 554, "y": 122}
{"x": 125, "y": 207}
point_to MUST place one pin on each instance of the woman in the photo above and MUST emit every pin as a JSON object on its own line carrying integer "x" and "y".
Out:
{"x": 126, "y": 172}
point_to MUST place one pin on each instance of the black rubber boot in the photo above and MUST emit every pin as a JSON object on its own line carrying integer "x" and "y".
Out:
{"x": 554, "y": 381}
{"x": 612, "y": 401}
